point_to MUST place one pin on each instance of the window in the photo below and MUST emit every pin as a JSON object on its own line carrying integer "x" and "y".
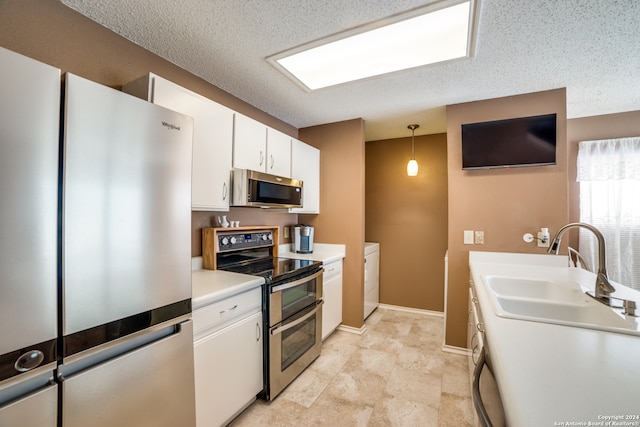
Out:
{"x": 609, "y": 176}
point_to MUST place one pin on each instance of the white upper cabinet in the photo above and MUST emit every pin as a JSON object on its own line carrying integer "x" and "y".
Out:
{"x": 260, "y": 148}
{"x": 249, "y": 144}
{"x": 305, "y": 166}
{"x": 212, "y": 138}
{"x": 278, "y": 153}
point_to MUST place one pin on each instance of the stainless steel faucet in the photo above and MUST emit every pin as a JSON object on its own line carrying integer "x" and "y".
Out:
{"x": 603, "y": 287}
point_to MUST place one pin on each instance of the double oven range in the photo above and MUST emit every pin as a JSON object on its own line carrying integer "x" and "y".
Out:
{"x": 292, "y": 302}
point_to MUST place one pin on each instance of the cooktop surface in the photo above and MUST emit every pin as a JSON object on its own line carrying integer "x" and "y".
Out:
{"x": 273, "y": 269}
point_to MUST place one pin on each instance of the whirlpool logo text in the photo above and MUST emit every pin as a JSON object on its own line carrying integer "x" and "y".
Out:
{"x": 170, "y": 126}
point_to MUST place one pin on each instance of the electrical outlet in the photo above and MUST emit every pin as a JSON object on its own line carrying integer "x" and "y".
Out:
{"x": 479, "y": 237}
{"x": 543, "y": 239}
{"x": 468, "y": 237}
{"x": 286, "y": 232}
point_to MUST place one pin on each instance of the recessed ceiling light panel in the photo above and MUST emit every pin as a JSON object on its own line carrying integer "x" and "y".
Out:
{"x": 428, "y": 35}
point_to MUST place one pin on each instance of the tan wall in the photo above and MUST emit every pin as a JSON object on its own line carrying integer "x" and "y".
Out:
{"x": 504, "y": 203}
{"x": 341, "y": 218}
{"x": 57, "y": 35}
{"x": 408, "y": 217}
{"x": 54, "y": 34}
{"x": 246, "y": 216}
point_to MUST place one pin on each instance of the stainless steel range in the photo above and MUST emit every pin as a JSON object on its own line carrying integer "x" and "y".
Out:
{"x": 292, "y": 302}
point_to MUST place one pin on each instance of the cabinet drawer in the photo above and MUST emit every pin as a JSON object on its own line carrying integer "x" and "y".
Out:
{"x": 222, "y": 313}
{"x": 332, "y": 270}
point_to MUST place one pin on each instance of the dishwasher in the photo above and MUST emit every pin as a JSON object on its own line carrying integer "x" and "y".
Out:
{"x": 485, "y": 393}
{"x": 228, "y": 357}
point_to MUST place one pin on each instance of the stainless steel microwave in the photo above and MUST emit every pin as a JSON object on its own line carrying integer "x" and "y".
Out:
{"x": 251, "y": 188}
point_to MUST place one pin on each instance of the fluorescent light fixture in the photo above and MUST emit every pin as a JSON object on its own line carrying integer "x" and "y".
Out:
{"x": 435, "y": 33}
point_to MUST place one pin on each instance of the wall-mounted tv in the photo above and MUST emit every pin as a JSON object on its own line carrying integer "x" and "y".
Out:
{"x": 523, "y": 141}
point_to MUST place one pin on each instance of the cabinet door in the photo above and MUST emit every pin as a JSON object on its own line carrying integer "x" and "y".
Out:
{"x": 228, "y": 370}
{"x": 278, "y": 153}
{"x": 332, "y": 294}
{"x": 305, "y": 166}
{"x": 212, "y": 143}
{"x": 249, "y": 144}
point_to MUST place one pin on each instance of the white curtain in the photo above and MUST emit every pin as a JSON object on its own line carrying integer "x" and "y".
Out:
{"x": 609, "y": 176}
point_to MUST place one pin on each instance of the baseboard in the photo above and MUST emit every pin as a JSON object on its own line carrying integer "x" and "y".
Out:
{"x": 412, "y": 310}
{"x": 455, "y": 350}
{"x": 358, "y": 331}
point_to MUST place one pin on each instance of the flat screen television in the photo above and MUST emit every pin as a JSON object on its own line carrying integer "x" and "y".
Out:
{"x": 523, "y": 141}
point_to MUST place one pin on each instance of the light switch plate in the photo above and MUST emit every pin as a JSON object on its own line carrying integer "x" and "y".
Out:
{"x": 468, "y": 237}
{"x": 286, "y": 232}
{"x": 479, "y": 237}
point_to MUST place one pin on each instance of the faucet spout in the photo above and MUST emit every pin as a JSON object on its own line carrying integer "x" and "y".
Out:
{"x": 603, "y": 287}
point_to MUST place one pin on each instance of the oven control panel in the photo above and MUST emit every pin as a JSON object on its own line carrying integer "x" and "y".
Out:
{"x": 234, "y": 240}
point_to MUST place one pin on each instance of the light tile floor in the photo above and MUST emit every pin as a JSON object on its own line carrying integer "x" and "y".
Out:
{"x": 395, "y": 374}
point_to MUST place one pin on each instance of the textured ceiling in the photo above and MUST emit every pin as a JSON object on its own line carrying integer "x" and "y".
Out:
{"x": 591, "y": 47}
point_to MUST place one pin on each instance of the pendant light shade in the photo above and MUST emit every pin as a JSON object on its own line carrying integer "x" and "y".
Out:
{"x": 412, "y": 166}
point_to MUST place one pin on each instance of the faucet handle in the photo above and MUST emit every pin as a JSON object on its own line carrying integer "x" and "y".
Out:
{"x": 629, "y": 307}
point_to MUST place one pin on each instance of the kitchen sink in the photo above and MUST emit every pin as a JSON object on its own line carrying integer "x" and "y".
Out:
{"x": 557, "y": 302}
{"x": 538, "y": 289}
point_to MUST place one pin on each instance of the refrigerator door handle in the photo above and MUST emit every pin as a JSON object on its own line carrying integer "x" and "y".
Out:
{"x": 86, "y": 360}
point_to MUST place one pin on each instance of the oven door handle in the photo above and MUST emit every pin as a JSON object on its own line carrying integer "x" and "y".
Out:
{"x": 283, "y": 328}
{"x": 483, "y": 416}
{"x": 295, "y": 283}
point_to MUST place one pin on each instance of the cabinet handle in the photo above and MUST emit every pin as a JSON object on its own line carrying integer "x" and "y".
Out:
{"x": 229, "y": 309}
{"x": 271, "y": 167}
{"x": 258, "y": 331}
{"x": 224, "y": 191}
{"x": 261, "y": 158}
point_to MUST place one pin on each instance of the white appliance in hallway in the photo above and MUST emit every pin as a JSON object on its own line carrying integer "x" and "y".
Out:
{"x": 371, "y": 277}
{"x": 30, "y": 111}
{"x": 126, "y": 329}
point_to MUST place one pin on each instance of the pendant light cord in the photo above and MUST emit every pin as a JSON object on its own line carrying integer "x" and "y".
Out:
{"x": 413, "y": 128}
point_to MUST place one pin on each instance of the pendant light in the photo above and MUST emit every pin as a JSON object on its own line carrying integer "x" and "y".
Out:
{"x": 412, "y": 166}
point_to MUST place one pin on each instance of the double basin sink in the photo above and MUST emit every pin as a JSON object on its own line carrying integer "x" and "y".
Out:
{"x": 556, "y": 302}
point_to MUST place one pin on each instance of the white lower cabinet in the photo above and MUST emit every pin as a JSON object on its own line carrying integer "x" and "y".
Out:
{"x": 228, "y": 367}
{"x": 332, "y": 294}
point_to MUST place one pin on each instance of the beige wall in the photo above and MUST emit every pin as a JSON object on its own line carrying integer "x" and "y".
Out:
{"x": 408, "y": 217}
{"x": 246, "y": 216}
{"x": 50, "y": 32}
{"x": 504, "y": 203}
{"x": 54, "y": 34}
{"x": 341, "y": 218}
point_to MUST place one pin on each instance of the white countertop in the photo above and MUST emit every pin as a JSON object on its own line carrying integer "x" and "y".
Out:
{"x": 552, "y": 375}
{"x": 371, "y": 247}
{"x": 210, "y": 286}
{"x": 323, "y": 252}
